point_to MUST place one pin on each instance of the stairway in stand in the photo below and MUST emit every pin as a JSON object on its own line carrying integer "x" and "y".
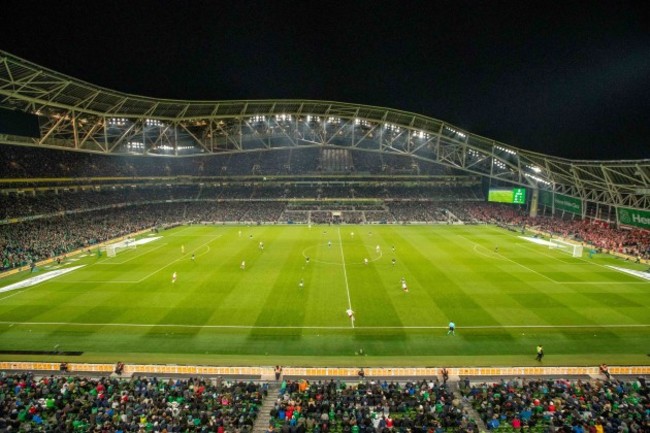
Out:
{"x": 264, "y": 414}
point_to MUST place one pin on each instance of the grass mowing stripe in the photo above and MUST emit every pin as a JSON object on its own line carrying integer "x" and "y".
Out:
{"x": 171, "y": 325}
{"x": 216, "y": 310}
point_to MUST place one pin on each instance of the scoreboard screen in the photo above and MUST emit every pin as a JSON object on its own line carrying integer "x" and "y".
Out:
{"x": 509, "y": 195}
{"x": 519, "y": 195}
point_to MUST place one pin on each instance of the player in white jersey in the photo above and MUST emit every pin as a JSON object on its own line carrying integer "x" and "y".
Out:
{"x": 173, "y": 277}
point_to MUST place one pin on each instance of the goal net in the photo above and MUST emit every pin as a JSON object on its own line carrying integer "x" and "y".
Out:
{"x": 113, "y": 249}
{"x": 574, "y": 250}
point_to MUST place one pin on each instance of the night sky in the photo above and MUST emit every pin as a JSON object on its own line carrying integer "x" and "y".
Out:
{"x": 570, "y": 79}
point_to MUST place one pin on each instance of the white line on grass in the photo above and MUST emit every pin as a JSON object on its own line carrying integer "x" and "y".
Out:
{"x": 476, "y": 250}
{"x": 527, "y": 246}
{"x": 108, "y": 261}
{"x": 171, "y": 325}
{"x": 588, "y": 262}
{"x": 345, "y": 274}
{"x": 513, "y": 261}
{"x": 177, "y": 260}
{"x": 17, "y": 293}
{"x": 181, "y": 231}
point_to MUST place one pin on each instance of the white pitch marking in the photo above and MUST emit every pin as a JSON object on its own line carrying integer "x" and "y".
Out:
{"x": 17, "y": 293}
{"x": 345, "y": 274}
{"x": 161, "y": 325}
{"x": 513, "y": 261}
{"x": 177, "y": 260}
{"x": 108, "y": 261}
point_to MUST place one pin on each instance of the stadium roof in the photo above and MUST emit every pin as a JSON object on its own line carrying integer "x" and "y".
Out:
{"x": 76, "y": 115}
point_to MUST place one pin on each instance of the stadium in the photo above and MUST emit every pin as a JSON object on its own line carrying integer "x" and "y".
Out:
{"x": 221, "y": 239}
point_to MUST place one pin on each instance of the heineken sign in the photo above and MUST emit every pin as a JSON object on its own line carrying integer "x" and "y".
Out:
{"x": 633, "y": 217}
{"x": 568, "y": 204}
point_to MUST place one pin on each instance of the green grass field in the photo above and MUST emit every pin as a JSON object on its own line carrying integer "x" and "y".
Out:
{"x": 504, "y": 302}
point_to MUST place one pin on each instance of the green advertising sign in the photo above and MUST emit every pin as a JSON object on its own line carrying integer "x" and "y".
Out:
{"x": 634, "y": 217}
{"x": 568, "y": 204}
{"x": 545, "y": 198}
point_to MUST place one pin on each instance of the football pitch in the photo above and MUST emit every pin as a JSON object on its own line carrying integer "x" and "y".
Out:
{"x": 288, "y": 304}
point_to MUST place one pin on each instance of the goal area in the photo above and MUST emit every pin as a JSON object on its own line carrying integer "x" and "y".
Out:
{"x": 113, "y": 249}
{"x": 573, "y": 249}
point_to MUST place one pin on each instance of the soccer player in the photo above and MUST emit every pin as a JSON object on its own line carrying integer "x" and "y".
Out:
{"x": 174, "y": 278}
{"x": 182, "y": 249}
{"x": 404, "y": 285}
{"x": 301, "y": 284}
{"x": 378, "y": 249}
{"x": 329, "y": 244}
{"x": 307, "y": 260}
{"x": 243, "y": 265}
{"x": 452, "y": 328}
{"x": 350, "y": 313}
{"x": 352, "y": 234}
{"x": 193, "y": 259}
{"x": 393, "y": 261}
{"x": 239, "y": 233}
{"x": 540, "y": 353}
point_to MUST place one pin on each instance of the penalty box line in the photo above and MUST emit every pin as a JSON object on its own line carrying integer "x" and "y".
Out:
{"x": 178, "y": 260}
{"x": 252, "y": 327}
{"x": 108, "y": 261}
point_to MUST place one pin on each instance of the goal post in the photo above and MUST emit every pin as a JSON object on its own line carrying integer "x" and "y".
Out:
{"x": 574, "y": 249}
{"x": 113, "y": 249}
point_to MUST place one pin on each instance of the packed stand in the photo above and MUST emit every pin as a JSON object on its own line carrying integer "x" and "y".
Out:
{"x": 139, "y": 404}
{"x": 368, "y": 407}
{"x": 563, "y": 406}
{"x": 603, "y": 236}
{"x": 31, "y": 241}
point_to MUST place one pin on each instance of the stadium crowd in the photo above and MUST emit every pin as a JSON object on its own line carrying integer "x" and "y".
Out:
{"x": 65, "y": 403}
{"x": 369, "y": 407}
{"x": 33, "y": 240}
{"x": 601, "y": 235}
{"x": 139, "y": 404}
{"x": 114, "y": 195}
{"x": 563, "y": 406}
